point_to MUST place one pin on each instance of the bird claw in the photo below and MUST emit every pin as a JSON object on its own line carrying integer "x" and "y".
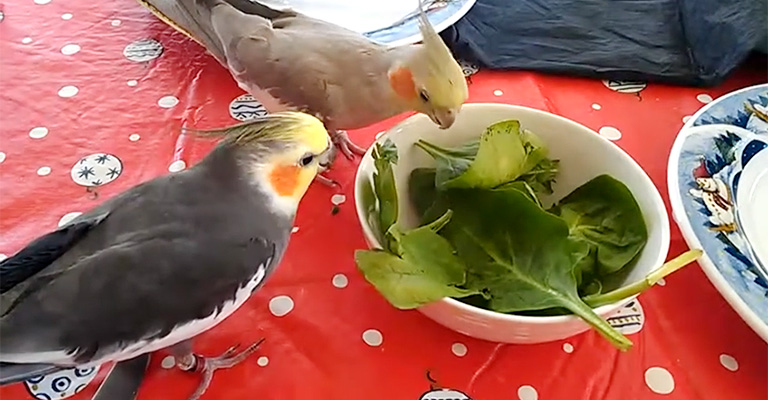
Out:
{"x": 209, "y": 365}
{"x": 326, "y": 181}
{"x": 341, "y": 139}
{"x": 229, "y": 351}
{"x": 342, "y": 142}
{"x": 93, "y": 192}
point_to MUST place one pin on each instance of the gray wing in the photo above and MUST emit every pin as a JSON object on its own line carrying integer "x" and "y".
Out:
{"x": 21, "y": 267}
{"x": 138, "y": 274}
{"x": 282, "y": 56}
{"x": 308, "y": 64}
{"x": 137, "y": 291}
{"x": 193, "y": 18}
{"x": 43, "y": 251}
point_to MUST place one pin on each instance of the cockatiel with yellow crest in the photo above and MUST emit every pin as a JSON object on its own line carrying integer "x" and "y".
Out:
{"x": 161, "y": 263}
{"x": 288, "y": 60}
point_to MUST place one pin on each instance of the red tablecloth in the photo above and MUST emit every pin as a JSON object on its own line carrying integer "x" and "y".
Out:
{"x": 75, "y": 83}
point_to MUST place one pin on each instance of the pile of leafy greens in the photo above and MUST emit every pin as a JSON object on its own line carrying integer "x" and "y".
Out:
{"x": 485, "y": 239}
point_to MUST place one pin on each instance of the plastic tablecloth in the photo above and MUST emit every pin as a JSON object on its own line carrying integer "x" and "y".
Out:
{"x": 82, "y": 80}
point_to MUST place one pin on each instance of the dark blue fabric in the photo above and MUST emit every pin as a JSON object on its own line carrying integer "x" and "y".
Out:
{"x": 689, "y": 42}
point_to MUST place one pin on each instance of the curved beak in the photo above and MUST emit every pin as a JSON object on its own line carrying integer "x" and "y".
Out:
{"x": 444, "y": 117}
{"x": 326, "y": 158}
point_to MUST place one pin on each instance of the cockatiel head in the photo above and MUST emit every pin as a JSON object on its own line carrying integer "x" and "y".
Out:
{"x": 431, "y": 80}
{"x": 282, "y": 151}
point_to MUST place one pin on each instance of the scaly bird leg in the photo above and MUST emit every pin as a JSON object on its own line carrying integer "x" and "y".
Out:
{"x": 341, "y": 139}
{"x": 341, "y": 142}
{"x": 188, "y": 361}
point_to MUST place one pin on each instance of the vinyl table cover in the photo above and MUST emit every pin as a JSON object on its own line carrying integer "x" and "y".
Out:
{"x": 82, "y": 80}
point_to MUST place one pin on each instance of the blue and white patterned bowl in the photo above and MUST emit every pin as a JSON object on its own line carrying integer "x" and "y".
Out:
{"x": 718, "y": 185}
{"x": 372, "y": 19}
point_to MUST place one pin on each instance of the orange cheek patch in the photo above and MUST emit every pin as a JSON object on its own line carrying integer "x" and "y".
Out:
{"x": 284, "y": 179}
{"x": 401, "y": 81}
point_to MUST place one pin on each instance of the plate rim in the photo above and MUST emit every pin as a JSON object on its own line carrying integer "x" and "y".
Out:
{"x": 686, "y": 228}
{"x": 438, "y": 26}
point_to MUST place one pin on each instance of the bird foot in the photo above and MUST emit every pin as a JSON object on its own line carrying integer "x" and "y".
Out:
{"x": 326, "y": 181}
{"x": 209, "y": 365}
{"x": 341, "y": 139}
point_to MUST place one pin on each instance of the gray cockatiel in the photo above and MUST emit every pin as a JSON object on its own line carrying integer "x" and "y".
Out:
{"x": 164, "y": 261}
{"x": 288, "y": 60}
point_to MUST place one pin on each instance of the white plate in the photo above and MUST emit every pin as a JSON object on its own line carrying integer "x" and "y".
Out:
{"x": 718, "y": 186}
{"x": 391, "y": 22}
{"x": 752, "y": 210}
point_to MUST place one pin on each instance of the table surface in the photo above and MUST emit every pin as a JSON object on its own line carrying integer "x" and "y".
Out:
{"x": 73, "y": 85}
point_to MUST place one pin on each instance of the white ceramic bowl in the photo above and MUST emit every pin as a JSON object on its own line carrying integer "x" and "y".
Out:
{"x": 584, "y": 154}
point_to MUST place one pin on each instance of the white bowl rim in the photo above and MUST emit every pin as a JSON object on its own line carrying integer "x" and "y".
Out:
{"x": 544, "y": 320}
{"x": 710, "y": 270}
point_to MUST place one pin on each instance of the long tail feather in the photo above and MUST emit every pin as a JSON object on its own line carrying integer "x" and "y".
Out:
{"x": 12, "y": 373}
{"x": 124, "y": 380}
{"x": 253, "y": 7}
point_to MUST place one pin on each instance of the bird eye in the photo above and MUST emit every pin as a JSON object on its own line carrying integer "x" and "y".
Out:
{"x": 423, "y": 95}
{"x": 306, "y": 160}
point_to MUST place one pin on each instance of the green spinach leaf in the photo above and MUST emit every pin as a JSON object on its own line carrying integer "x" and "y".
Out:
{"x": 422, "y": 191}
{"x": 542, "y": 176}
{"x": 427, "y": 269}
{"x": 521, "y": 254}
{"x": 522, "y": 187}
{"x": 604, "y": 214}
{"x": 535, "y": 149}
{"x": 385, "y": 190}
{"x": 502, "y": 154}
{"x": 451, "y": 162}
{"x": 500, "y": 157}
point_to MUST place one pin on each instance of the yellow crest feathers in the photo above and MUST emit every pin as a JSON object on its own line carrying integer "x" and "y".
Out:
{"x": 289, "y": 127}
{"x": 427, "y": 31}
{"x": 441, "y": 65}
